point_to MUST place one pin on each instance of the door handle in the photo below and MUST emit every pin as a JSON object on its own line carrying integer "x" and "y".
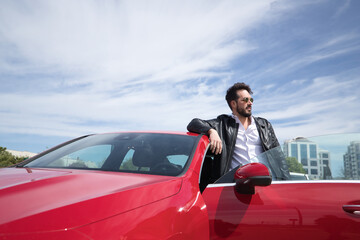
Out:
{"x": 353, "y": 209}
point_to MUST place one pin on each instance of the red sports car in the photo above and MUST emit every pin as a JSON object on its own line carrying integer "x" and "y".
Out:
{"x": 142, "y": 185}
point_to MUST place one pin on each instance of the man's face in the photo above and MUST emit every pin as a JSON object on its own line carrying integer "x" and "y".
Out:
{"x": 243, "y": 105}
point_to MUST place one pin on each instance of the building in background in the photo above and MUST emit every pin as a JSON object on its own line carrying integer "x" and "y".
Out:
{"x": 324, "y": 159}
{"x": 315, "y": 161}
{"x": 352, "y": 161}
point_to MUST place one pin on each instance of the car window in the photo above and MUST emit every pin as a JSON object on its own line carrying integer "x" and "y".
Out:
{"x": 269, "y": 158}
{"x": 148, "y": 153}
{"x": 298, "y": 176}
{"x": 327, "y": 157}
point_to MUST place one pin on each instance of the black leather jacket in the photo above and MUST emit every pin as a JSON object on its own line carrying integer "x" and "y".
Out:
{"x": 227, "y": 129}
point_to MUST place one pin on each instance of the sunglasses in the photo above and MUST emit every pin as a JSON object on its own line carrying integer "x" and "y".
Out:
{"x": 246, "y": 99}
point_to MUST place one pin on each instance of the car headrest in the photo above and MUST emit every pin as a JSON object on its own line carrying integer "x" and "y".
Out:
{"x": 144, "y": 157}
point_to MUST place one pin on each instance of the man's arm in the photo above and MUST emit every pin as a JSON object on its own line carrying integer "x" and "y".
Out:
{"x": 202, "y": 126}
{"x": 199, "y": 126}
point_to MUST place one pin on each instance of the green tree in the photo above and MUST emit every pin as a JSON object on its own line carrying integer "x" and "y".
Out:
{"x": 7, "y": 159}
{"x": 294, "y": 165}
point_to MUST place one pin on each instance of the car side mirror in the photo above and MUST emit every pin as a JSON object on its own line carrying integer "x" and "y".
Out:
{"x": 251, "y": 175}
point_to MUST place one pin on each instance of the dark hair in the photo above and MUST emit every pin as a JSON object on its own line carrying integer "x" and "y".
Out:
{"x": 231, "y": 93}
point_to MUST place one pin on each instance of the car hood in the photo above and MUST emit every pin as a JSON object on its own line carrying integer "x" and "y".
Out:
{"x": 36, "y": 200}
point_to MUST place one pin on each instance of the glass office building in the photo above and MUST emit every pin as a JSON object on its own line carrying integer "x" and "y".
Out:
{"x": 352, "y": 161}
{"x": 315, "y": 161}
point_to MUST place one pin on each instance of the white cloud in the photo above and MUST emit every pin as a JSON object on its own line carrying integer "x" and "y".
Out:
{"x": 119, "y": 41}
{"x": 325, "y": 50}
{"x": 325, "y": 105}
{"x": 118, "y": 61}
{"x": 96, "y": 66}
{"x": 341, "y": 10}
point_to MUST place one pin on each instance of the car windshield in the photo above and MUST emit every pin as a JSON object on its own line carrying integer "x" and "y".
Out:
{"x": 147, "y": 153}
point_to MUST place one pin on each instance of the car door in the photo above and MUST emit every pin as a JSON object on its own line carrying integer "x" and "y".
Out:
{"x": 324, "y": 207}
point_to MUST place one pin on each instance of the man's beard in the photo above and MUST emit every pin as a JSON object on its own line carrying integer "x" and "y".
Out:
{"x": 242, "y": 112}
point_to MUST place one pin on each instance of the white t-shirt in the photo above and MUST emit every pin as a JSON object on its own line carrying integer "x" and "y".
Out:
{"x": 248, "y": 144}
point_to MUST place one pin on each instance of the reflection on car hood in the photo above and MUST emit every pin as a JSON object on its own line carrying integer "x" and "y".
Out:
{"x": 64, "y": 199}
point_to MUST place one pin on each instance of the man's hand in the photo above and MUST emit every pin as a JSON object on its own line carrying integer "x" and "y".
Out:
{"x": 215, "y": 142}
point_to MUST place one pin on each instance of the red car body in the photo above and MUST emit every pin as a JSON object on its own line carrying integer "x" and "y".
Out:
{"x": 79, "y": 203}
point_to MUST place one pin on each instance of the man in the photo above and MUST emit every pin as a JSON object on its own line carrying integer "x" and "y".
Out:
{"x": 237, "y": 138}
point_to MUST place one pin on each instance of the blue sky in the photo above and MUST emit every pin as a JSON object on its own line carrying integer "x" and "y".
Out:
{"x": 69, "y": 68}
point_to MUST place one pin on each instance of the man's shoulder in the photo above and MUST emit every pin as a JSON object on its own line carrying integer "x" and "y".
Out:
{"x": 261, "y": 120}
{"x": 225, "y": 118}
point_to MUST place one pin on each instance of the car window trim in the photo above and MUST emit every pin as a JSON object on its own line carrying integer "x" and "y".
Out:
{"x": 290, "y": 182}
